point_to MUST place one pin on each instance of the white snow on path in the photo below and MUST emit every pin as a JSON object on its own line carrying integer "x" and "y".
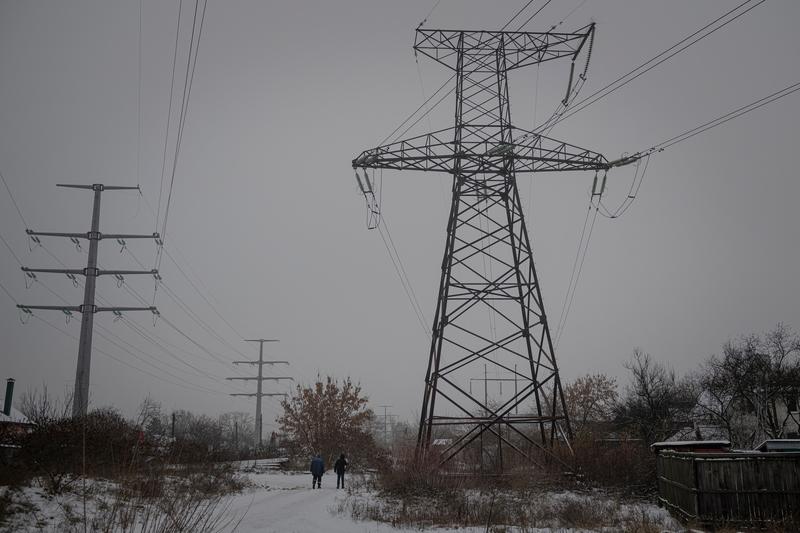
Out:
{"x": 288, "y": 504}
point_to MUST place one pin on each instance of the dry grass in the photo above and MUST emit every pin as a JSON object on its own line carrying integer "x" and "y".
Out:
{"x": 499, "y": 510}
{"x": 421, "y": 495}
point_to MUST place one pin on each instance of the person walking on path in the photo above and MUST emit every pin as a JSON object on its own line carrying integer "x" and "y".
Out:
{"x": 340, "y": 467}
{"x": 317, "y": 469}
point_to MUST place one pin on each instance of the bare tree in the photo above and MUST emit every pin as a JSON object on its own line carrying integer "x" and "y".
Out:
{"x": 591, "y": 398}
{"x": 757, "y": 375}
{"x": 39, "y": 407}
{"x": 656, "y": 402}
{"x": 238, "y": 429}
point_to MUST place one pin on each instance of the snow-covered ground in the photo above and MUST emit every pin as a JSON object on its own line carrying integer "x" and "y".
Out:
{"x": 286, "y": 503}
{"x": 275, "y": 502}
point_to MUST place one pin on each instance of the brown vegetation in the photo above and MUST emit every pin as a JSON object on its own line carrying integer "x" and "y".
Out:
{"x": 328, "y": 418}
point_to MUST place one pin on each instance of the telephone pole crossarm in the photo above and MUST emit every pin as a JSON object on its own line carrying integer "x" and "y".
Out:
{"x": 99, "y": 187}
{"x": 87, "y": 272}
{"x": 260, "y": 362}
{"x": 93, "y": 235}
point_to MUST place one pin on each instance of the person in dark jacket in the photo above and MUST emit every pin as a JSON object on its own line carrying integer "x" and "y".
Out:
{"x": 317, "y": 469}
{"x": 340, "y": 467}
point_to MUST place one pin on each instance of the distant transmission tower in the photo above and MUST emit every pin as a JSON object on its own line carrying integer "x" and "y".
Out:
{"x": 484, "y": 153}
{"x": 259, "y": 379}
{"x": 80, "y": 400}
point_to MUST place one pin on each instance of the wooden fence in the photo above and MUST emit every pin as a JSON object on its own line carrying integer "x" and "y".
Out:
{"x": 749, "y": 487}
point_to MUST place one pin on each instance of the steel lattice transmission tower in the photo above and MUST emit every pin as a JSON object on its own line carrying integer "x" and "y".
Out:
{"x": 484, "y": 152}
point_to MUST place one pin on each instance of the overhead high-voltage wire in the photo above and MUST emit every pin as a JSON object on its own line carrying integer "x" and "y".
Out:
{"x": 14, "y": 201}
{"x": 420, "y": 108}
{"x": 169, "y": 112}
{"x": 752, "y": 106}
{"x": 126, "y": 363}
{"x": 563, "y": 322}
{"x": 638, "y": 178}
{"x": 403, "y": 280}
{"x": 183, "y": 272}
{"x": 58, "y": 260}
{"x": 512, "y": 19}
{"x": 8, "y": 294}
{"x": 191, "y": 64}
{"x": 707, "y": 30}
{"x": 534, "y": 15}
{"x": 108, "y": 333}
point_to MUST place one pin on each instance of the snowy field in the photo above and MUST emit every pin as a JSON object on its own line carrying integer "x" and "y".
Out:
{"x": 276, "y": 502}
{"x": 286, "y": 503}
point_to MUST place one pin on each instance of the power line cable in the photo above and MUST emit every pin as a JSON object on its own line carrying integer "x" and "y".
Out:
{"x": 577, "y": 279}
{"x": 123, "y": 362}
{"x": 403, "y": 270}
{"x": 5, "y": 290}
{"x": 188, "y": 83}
{"x": 665, "y": 55}
{"x": 139, "y": 103}
{"x": 534, "y": 15}
{"x": 431, "y": 97}
{"x": 403, "y": 281}
{"x": 169, "y": 112}
{"x": 752, "y": 106}
{"x": 424, "y": 20}
{"x": 574, "y": 269}
{"x": 14, "y": 201}
{"x": 57, "y": 259}
{"x": 10, "y": 249}
{"x": 523, "y": 8}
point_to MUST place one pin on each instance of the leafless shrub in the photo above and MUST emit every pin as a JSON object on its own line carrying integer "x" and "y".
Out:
{"x": 40, "y": 407}
{"x": 505, "y": 510}
{"x": 622, "y": 464}
{"x": 172, "y": 511}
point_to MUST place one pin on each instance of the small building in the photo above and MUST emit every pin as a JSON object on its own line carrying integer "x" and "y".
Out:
{"x": 696, "y": 446}
{"x": 779, "y": 445}
{"x": 13, "y": 425}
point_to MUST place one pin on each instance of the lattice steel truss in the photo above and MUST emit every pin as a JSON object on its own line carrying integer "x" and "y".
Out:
{"x": 488, "y": 261}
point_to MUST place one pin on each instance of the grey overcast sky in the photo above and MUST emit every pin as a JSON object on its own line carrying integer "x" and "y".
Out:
{"x": 267, "y": 221}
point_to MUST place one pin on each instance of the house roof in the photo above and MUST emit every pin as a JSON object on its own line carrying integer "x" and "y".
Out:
{"x": 706, "y": 432}
{"x": 779, "y": 445}
{"x": 16, "y": 417}
{"x": 691, "y": 445}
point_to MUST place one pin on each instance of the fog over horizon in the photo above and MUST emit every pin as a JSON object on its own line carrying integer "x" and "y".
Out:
{"x": 266, "y": 232}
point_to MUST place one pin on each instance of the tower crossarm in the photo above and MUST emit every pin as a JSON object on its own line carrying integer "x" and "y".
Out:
{"x": 430, "y": 152}
{"x": 536, "y": 153}
{"x": 521, "y": 48}
{"x": 485, "y": 150}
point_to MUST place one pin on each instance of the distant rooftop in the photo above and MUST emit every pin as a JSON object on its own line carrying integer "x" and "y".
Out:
{"x": 779, "y": 445}
{"x": 15, "y": 417}
{"x": 691, "y": 445}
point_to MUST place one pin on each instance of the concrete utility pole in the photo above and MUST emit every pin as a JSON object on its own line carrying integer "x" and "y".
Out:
{"x": 259, "y": 379}
{"x": 80, "y": 401}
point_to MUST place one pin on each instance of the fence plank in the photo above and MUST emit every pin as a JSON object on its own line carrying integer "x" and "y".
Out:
{"x": 730, "y": 487}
